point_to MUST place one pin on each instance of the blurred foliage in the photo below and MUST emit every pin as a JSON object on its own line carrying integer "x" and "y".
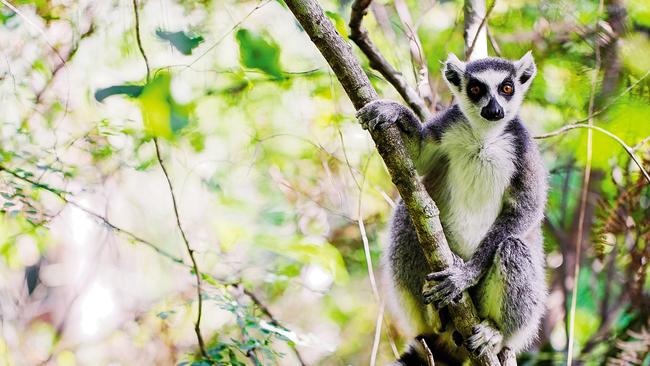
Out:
{"x": 183, "y": 42}
{"x": 259, "y": 52}
{"x": 273, "y": 176}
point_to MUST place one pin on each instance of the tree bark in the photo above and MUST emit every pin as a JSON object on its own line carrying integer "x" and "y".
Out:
{"x": 421, "y": 208}
{"x": 377, "y": 61}
{"x": 475, "y": 29}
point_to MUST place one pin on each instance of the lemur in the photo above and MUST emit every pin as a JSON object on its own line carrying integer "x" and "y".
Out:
{"x": 483, "y": 170}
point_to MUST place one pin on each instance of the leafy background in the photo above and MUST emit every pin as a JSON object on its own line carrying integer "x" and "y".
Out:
{"x": 277, "y": 186}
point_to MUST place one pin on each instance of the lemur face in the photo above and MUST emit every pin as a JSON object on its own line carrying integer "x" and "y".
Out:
{"x": 490, "y": 90}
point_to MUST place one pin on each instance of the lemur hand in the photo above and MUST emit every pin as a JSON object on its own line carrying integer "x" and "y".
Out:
{"x": 381, "y": 112}
{"x": 445, "y": 287}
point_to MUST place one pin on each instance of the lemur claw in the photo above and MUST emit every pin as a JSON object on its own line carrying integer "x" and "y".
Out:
{"x": 485, "y": 336}
{"x": 451, "y": 283}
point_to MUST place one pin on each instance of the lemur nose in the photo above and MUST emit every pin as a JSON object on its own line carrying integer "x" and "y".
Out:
{"x": 492, "y": 111}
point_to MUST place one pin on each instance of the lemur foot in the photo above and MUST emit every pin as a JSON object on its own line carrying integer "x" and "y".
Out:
{"x": 450, "y": 284}
{"x": 485, "y": 337}
{"x": 380, "y": 113}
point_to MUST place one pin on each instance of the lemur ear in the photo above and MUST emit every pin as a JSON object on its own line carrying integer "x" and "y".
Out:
{"x": 526, "y": 69}
{"x": 453, "y": 71}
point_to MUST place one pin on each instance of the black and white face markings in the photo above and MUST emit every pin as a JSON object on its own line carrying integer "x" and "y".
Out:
{"x": 489, "y": 90}
{"x": 490, "y": 86}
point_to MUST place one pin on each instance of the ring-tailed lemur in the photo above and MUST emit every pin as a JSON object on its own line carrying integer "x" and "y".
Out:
{"x": 481, "y": 167}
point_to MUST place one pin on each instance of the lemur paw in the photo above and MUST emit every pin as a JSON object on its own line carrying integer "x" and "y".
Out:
{"x": 380, "y": 113}
{"x": 449, "y": 286}
{"x": 485, "y": 337}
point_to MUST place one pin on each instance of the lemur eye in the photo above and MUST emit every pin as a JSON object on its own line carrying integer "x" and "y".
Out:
{"x": 475, "y": 89}
{"x": 507, "y": 89}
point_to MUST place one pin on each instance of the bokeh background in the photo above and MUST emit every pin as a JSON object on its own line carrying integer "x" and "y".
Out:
{"x": 279, "y": 192}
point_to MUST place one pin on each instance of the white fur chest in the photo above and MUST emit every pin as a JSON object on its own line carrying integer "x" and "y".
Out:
{"x": 480, "y": 169}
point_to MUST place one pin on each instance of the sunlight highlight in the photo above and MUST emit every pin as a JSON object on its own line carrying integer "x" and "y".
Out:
{"x": 97, "y": 308}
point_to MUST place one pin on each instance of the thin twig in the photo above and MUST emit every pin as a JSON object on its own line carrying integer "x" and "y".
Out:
{"x": 138, "y": 39}
{"x": 44, "y": 35}
{"x": 134, "y": 237}
{"x": 190, "y": 251}
{"x": 427, "y": 350}
{"x": 583, "y": 199}
{"x": 493, "y": 42}
{"x": 371, "y": 272}
{"x": 625, "y": 146}
{"x": 60, "y": 66}
{"x": 101, "y": 218}
{"x": 590, "y": 116}
{"x": 259, "y": 5}
{"x": 641, "y": 143}
{"x": 470, "y": 50}
{"x": 364, "y": 239}
{"x": 612, "y": 101}
{"x": 359, "y": 35}
{"x": 377, "y": 338}
{"x": 366, "y": 251}
{"x": 361, "y": 225}
{"x": 422, "y": 77}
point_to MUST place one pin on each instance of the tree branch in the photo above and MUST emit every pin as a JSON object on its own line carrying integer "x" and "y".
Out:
{"x": 425, "y": 86}
{"x": 475, "y": 30}
{"x": 629, "y": 150}
{"x": 421, "y": 208}
{"x": 359, "y": 35}
{"x": 493, "y": 42}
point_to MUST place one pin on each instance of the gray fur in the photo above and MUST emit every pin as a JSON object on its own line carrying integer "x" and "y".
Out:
{"x": 489, "y": 183}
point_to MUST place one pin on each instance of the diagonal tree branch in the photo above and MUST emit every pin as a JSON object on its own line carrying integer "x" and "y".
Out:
{"x": 359, "y": 35}
{"x": 475, "y": 31}
{"x": 421, "y": 208}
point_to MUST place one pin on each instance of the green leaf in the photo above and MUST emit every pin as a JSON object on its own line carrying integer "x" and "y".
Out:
{"x": 5, "y": 15}
{"x": 259, "y": 52}
{"x": 182, "y": 41}
{"x": 639, "y": 11}
{"x": 132, "y": 91}
{"x": 197, "y": 141}
{"x": 162, "y": 116}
